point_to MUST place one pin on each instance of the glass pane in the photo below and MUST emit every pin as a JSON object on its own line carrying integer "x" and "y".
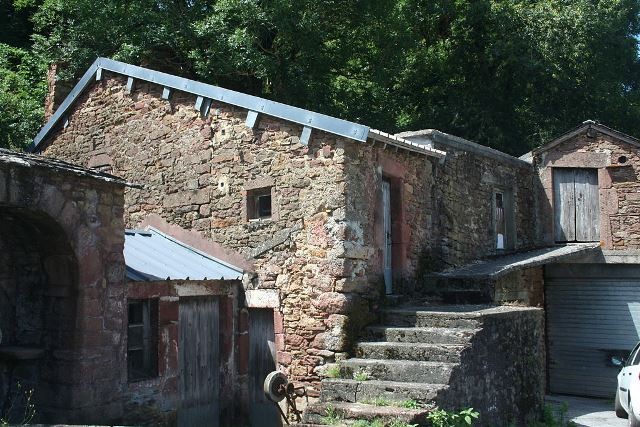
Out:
{"x": 135, "y": 338}
{"x": 135, "y": 312}
{"x": 264, "y": 206}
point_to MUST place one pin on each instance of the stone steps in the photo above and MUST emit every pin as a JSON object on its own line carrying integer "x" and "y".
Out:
{"x": 348, "y": 390}
{"x": 410, "y": 357}
{"x": 398, "y": 370}
{"x": 419, "y": 335}
{"x": 421, "y": 317}
{"x": 449, "y": 353}
{"x": 347, "y": 413}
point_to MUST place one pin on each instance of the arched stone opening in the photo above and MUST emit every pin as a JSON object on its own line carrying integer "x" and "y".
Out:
{"x": 38, "y": 309}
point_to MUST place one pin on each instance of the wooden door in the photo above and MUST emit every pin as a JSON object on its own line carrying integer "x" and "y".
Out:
{"x": 262, "y": 361}
{"x": 198, "y": 360}
{"x": 386, "y": 248}
{"x": 576, "y": 207}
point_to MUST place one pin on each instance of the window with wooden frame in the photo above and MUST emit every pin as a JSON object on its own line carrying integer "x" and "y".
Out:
{"x": 142, "y": 339}
{"x": 259, "y": 203}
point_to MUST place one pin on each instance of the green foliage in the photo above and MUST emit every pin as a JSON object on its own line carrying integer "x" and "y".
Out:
{"x": 410, "y": 404}
{"x": 22, "y": 91}
{"x": 361, "y": 375}
{"x": 555, "y": 416}
{"x": 506, "y": 73}
{"x": 332, "y": 416}
{"x": 332, "y": 371}
{"x": 442, "y": 418}
{"x": 19, "y": 411}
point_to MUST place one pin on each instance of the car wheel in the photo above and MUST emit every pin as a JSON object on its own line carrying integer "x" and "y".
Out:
{"x": 633, "y": 421}
{"x": 620, "y": 412}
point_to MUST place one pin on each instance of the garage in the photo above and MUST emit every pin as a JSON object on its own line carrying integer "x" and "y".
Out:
{"x": 593, "y": 313}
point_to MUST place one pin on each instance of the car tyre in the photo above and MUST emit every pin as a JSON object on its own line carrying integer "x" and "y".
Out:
{"x": 633, "y": 421}
{"x": 620, "y": 412}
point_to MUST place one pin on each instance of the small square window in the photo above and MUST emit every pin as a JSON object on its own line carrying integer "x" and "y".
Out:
{"x": 142, "y": 344}
{"x": 259, "y": 203}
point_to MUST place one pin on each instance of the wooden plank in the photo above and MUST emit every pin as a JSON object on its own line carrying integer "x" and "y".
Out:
{"x": 198, "y": 360}
{"x": 564, "y": 204}
{"x": 587, "y": 205}
{"x": 262, "y": 361}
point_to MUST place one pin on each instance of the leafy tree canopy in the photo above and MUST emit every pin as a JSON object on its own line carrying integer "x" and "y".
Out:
{"x": 506, "y": 73}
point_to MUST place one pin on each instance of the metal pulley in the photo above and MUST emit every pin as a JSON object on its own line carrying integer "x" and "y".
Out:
{"x": 277, "y": 387}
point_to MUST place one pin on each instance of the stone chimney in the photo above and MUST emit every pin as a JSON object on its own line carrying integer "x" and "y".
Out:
{"x": 56, "y": 91}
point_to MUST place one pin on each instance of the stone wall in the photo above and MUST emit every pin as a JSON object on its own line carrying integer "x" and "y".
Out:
{"x": 61, "y": 293}
{"x": 618, "y": 165}
{"x": 411, "y": 182}
{"x": 464, "y": 184}
{"x": 502, "y": 371}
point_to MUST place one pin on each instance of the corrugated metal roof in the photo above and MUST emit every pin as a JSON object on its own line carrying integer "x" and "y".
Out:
{"x": 152, "y": 255}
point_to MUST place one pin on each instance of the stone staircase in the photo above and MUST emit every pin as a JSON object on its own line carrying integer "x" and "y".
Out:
{"x": 403, "y": 368}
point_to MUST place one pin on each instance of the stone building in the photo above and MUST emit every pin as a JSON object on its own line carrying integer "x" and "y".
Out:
{"x": 333, "y": 222}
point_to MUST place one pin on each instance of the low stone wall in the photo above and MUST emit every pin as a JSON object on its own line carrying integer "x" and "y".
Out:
{"x": 502, "y": 372}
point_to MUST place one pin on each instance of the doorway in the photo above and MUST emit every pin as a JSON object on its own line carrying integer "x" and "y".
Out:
{"x": 387, "y": 253}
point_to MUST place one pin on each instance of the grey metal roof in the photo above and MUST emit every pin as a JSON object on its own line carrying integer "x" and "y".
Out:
{"x": 206, "y": 93}
{"x": 152, "y": 255}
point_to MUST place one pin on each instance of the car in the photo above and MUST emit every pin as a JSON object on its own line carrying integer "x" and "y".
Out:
{"x": 627, "y": 400}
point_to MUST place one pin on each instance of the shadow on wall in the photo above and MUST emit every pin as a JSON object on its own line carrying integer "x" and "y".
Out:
{"x": 38, "y": 283}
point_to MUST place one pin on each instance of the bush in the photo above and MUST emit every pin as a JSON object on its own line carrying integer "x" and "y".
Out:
{"x": 442, "y": 418}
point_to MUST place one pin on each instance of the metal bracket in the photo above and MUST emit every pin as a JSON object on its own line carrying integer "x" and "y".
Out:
{"x": 252, "y": 118}
{"x": 306, "y": 135}
{"x": 65, "y": 122}
{"x": 130, "y": 82}
{"x": 206, "y": 106}
{"x": 166, "y": 93}
{"x": 98, "y": 74}
{"x": 198, "y": 104}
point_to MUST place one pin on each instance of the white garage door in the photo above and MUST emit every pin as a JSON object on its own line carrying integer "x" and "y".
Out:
{"x": 593, "y": 313}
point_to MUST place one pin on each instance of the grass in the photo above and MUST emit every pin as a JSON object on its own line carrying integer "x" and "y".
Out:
{"x": 378, "y": 422}
{"x": 378, "y": 401}
{"x": 381, "y": 401}
{"x": 332, "y": 416}
{"x": 360, "y": 375}
{"x": 333, "y": 371}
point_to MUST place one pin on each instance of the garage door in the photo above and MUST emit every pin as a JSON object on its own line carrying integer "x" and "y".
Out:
{"x": 593, "y": 313}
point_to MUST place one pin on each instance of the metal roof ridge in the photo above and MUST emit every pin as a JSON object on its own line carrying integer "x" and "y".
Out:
{"x": 253, "y": 104}
{"x": 256, "y": 104}
{"x": 191, "y": 248}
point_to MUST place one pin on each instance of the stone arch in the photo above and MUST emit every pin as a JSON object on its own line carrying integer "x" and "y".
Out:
{"x": 38, "y": 308}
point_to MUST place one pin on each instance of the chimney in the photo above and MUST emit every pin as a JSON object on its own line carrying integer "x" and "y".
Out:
{"x": 57, "y": 91}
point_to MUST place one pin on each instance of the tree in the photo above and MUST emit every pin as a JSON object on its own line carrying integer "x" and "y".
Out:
{"x": 506, "y": 73}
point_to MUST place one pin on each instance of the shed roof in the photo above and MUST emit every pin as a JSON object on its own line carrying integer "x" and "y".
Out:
{"x": 152, "y": 255}
{"x": 31, "y": 160}
{"x": 207, "y": 93}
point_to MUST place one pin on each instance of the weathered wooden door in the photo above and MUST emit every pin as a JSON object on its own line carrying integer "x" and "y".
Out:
{"x": 575, "y": 200}
{"x": 199, "y": 361}
{"x": 386, "y": 248}
{"x": 262, "y": 361}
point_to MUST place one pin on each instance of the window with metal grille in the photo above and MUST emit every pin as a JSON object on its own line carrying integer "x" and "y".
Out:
{"x": 142, "y": 343}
